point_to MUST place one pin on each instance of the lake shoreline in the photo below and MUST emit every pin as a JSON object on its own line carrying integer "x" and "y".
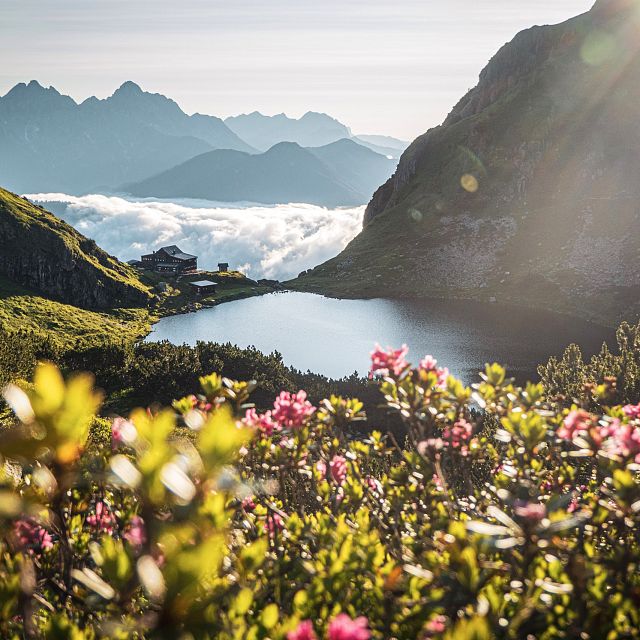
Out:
{"x": 333, "y": 336}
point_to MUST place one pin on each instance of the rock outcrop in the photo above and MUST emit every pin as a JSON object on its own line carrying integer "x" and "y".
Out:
{"x": 528, "y": 192}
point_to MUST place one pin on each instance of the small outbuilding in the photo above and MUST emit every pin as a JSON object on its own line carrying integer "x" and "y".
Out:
{"x": 223, "y": 266}
{"x": 204, "y": 287}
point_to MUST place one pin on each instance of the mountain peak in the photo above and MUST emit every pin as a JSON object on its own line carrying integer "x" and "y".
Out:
{"x": 129, "y": 88}
{"x": 34, "y": 87}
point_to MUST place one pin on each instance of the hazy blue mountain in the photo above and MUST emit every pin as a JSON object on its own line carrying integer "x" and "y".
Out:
{"x": 340, "y": 174}
{"x": 312, "y": 130}
{"x": 385, "y": 145}
{"x": 48, "y": 142}
{"x": 358, "y": 166}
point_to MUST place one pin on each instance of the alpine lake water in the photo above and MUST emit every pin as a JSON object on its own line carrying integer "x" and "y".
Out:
{"x": 335, "y": 337}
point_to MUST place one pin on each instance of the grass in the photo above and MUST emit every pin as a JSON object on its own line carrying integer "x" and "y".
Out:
{"x": 43, "y": 233}
{"x": 21, "y": 309}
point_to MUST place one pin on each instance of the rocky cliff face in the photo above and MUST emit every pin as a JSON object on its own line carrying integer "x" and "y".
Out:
{"x": 528, "y": 191}
{"x": 44, "y": 254}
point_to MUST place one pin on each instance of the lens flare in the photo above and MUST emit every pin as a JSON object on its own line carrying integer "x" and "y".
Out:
{"x": 469, "y": 183}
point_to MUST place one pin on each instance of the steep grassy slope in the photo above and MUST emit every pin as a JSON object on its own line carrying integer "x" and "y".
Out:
{"x": 44, "y": 254}
{"x": 528, "y": 192}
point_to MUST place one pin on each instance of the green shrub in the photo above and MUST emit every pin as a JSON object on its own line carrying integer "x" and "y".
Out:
{"x": 502, "y": 516}
{"x": 610, "y": 377}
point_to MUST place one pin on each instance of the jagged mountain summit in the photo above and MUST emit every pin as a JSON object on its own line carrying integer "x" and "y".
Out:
{"x": 48, "y": 142}
{"x": 528, "y": 192}
{"x": 342, "y": 173}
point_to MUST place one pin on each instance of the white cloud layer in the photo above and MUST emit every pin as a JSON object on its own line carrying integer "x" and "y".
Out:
{"x": 263, "y": 241}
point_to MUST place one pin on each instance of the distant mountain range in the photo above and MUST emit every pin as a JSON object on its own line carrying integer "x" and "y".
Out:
{"x": 48, "y": 142}
{"x": 341, "y": 173}
{"x": 311, "y": 130}
{"x": 528, "y": 192}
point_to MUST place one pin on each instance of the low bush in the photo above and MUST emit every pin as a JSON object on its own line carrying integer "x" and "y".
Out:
{"x": 500, "y": 516}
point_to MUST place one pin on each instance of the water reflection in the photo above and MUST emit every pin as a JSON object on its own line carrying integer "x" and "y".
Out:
{"x": 335, "y": 337}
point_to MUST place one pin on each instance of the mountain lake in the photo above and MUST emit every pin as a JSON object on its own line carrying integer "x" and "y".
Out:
{"x": 335, "y": 337}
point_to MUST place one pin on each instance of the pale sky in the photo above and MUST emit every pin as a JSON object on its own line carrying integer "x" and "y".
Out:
{"x": 391, "y": 67}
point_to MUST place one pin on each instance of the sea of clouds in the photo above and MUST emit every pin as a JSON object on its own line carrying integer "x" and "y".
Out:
{"x": 263, "y": 241}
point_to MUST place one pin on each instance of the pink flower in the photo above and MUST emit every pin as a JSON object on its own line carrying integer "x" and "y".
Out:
{"x": 292, "y": 410}
{"x": 103, "y": 519}
{"x": 458, "y": 435}
{"x": 389, "y": 361}
{"x": 436, "y": 625}
{"x": 248, "y": 504}
{"x": 273, "y": 524}
{"x": 342, "y": 627}
{"x": 430, "y": 365}
{"x": 304, "y": 631}
{"x": 123, "y": 432}
{"x": 532, "y": 511}
{"x": 31, "y": 536}
{"x": 263, "y": 422}
{"x": 632, "y": 411}
{"x": 338, "y": 469}
{"x": 573, "y": 505}
{"x": 623, "y": 440}
{"x": 136, "y": 534}
{"x": 577, "y": 421}
{"x": 375, "y": 486}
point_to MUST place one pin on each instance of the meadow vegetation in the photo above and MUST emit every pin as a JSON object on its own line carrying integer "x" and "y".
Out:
{"x": 503, "y": 512}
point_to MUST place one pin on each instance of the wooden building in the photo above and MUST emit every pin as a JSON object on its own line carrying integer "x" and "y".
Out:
{"x": 204, "y": 287}
{"x": 223, "y": 266}
{"x": 171, "y": 260}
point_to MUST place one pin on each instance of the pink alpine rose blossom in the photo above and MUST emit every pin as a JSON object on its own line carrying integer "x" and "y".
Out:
{"x": 389, "y": 361}
{"x": 622, "y": 440}
{"x": 304, "y": 631}
{"x": 32, "y": 537}
{"x": 577, "y": 421}
{"x": 375, "y": 486}
{"x": 338, "y": 469}
{"x": 532, "y": 511}
{"x": 430, "y": 364}
{"x": 248, "y": 504}
{"x": 273, "y": 524}
{"x": 123, "y": 432}
{"x": 136, "y": 534}
{"x": 103, "y": 519}
{"x": 436, "y": 625}
{"x": 342, "y": 627}
{"x": 261, "y": 421}
{"x": 292, "y": 410}
{"x": 632, "y": 411}
{"x": 458, "y": 436}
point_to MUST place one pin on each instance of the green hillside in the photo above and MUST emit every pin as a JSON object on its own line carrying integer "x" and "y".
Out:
{"x": 64, "y": 324}
{"x": 528, "y": 191}
{"x": 59, "y": 285}
{"x": 46, "y": 255}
